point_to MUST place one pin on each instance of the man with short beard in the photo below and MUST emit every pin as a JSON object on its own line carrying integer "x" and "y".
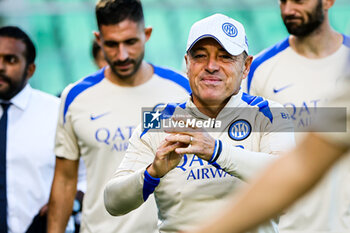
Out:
{"x": 28, "y": 119}
{"x": 299, "y": 72}
{"x": 98, "y": 115}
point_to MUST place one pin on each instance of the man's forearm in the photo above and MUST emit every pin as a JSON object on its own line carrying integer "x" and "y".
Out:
{"x": 61, "y": 200}
{"x": 60, "y": 206}
{"x": 123, "y": 193}
{"x": 243, "y": 163}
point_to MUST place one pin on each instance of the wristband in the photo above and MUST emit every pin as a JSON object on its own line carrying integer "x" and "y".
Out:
{"x": 217, "y": 151}
{"x": 149, "y": 185}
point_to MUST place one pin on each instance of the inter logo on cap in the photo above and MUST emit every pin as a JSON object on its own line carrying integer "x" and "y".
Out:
{"x": 230, "y": 29}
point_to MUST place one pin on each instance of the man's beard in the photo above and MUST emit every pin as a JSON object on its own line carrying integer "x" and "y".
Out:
{"x": 13, "y": 87}
{"x": 137, "y": 63}
{"x": 316, "y": 18}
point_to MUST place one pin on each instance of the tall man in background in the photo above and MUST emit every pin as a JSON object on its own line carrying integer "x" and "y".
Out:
{"x": 28, "y": 120}
{"x": 298, "y": 72}
{"x": 98, "y": 115}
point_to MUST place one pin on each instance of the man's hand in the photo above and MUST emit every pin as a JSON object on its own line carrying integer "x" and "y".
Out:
{"x": 198, "y": 143}
{"x": 166, "y": 159}
{"x": 175, "y": 145}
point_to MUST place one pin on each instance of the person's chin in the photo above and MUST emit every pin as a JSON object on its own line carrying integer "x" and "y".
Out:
{"x": 124, "y": 74}
{"x": 210, "y": 97}
{"x": 5, "y": 94}
{"x": 4, "y": 88}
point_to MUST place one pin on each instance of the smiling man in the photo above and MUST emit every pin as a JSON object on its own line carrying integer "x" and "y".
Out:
{"x": 192, "y": 170}
{"x": 98, "y": 115}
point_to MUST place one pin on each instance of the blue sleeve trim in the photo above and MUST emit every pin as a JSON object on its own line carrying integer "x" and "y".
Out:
{"x": 81, "y": 87}
{"x": 269, "y": 53}
{"x": 214, "y": 152}
{"x": 149, "y": 185}
{"x": 212, "y": 161}
{"x": 346, "y": 40}
{"x": 183, "y": 105}
{"x": 260, "y": 102}
{"x": 173, "y": 76}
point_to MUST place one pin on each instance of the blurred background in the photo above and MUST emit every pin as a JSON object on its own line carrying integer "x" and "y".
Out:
{"x": 62, "y": 31}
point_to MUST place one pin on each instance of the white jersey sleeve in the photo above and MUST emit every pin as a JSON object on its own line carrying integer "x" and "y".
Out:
{"x": 124, "y": 192}
{"x": 66, "y": 142}
{"x": 340, "y": 99}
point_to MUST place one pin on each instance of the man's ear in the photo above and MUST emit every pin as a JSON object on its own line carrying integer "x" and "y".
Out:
{"x": 98, "y": 37}
{"x": 148, "y": 32}
{"x": 327, "y": 4}
{"x": 247, "y": 64}
{"x": 187, "y": 62}
{"x": 30, "y": 71}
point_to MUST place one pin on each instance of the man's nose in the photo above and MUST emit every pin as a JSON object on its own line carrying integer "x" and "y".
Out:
{"x": 212, "y": 65}
{"x": 288, "y": 8}
{"x": 122, "y": 53}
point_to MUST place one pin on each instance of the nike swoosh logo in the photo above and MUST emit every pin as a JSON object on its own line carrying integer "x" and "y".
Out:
{"x": 98, "y": 116}
{"x": 281, "y": 89}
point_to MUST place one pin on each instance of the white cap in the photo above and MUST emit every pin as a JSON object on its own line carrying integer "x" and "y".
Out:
{"x": 225, "y": 30}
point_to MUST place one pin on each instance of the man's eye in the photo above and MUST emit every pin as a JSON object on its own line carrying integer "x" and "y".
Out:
{"x": 199, "y": 56}
{"x": 11, "y": 59}
{"x": 295, "y": 1}
{"x": 131, "y": 42}
{"x": 227, "y": 58}
{"x": 111, "y": 44}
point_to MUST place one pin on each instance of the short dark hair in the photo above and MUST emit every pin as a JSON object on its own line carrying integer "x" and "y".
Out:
{"x": 17, "y": 33}
{"x": 95, "y": 49}
{"x": 244, "y": 55}
{"x": 109, "y": 12}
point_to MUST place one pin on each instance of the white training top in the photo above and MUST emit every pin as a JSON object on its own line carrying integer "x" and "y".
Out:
{"x": 340, "y": 99}
{"x": 302, "y": 85}
{"x": 196, "y": 189}
{"x": 30, "y": 158}
{"x": 96, "y": 120}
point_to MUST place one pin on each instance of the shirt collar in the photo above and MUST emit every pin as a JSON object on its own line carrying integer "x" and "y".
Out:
{"x": 234, "y": 102}
{"x": 21, "y": 100}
